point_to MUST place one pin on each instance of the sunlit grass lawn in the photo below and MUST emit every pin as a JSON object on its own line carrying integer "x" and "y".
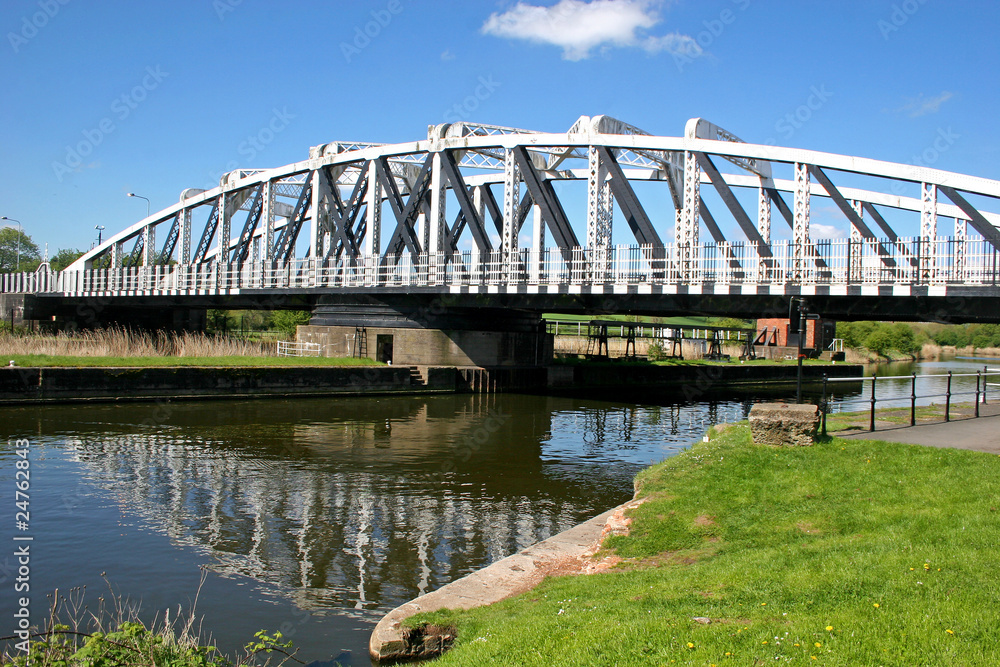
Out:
{"x": 35, "y": 360}
{"x": 896, "y": 416}
{"x": 843, "y": 553}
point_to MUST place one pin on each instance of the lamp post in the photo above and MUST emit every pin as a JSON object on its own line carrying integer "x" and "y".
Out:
{"x": 132, "y": 194}
{"x": 100, "y": 230}
{"x": 18, "y": 270}
{"x": 803, "y": 317}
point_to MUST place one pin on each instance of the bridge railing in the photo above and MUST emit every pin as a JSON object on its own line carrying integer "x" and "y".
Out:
{"x": 832, "y": 262}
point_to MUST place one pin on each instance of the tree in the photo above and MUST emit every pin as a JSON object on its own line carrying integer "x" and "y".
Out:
{"x": 64, "y": 258}
{"x": 879, "y": 340}
{"x": 287, "y": 320}
{"x": 13, "y": 239}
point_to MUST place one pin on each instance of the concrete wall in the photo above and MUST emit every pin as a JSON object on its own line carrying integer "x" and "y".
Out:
{"x": 12, "y": 303}
{"x": 21, "y": 385}
{"x": 717, "y": 376}
{"x": 434, "y": 347}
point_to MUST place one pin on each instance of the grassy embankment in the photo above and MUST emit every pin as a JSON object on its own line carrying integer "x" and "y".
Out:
{"x": 44, "y": 360}
{"x": 123, "y": 348}
{"x": 844, "y": 553}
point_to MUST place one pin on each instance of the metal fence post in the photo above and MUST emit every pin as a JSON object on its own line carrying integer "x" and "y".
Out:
{"x": 978, "y": 380}
{"x": 871, "y": 423}
{"x": 913, "y": 400}
{"x": 823, "y": 405}
{"x": 947, "y": 400}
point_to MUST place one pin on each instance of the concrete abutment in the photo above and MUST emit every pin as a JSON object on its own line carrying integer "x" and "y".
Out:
{"x": 485, "y": 338}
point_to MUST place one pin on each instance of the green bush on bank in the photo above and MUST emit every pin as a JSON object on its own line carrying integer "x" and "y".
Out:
{"x": 908, "y": 338}
{"x": 849, "y": 552}
{"x": 879, "y": 337}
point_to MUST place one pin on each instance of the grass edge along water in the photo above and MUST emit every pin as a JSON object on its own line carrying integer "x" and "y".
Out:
{"x": 848, "y": 552}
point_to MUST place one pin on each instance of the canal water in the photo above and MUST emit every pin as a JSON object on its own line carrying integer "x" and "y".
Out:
{"x": 313, "y": 517}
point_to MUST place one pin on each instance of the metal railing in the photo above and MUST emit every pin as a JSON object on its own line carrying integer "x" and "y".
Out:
{"x": 873, "y": 399}
{"x": 289, "y": 349}
{"x": 834, "y": 262}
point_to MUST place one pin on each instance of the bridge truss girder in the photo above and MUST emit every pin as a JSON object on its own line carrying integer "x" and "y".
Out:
{"x": 338, "y": 194}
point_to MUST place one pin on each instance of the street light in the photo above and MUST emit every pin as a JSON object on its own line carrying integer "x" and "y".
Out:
{"x": 18, "y": 240}
{"x": 132, "y": 194}
{"x": 100, "y": 230}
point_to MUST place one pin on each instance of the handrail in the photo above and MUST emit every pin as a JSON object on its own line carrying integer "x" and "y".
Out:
{"x": 291, "y": 349}
{"x": 980, "y": 393}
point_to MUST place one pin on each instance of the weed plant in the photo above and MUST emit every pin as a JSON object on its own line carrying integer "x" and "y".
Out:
{"x": 112, "y": 635}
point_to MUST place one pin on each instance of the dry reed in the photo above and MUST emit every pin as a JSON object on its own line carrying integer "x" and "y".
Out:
{"x": 127, "y": 343}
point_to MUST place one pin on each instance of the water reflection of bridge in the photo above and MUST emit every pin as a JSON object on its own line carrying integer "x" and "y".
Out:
{"x": 347, "y": 503}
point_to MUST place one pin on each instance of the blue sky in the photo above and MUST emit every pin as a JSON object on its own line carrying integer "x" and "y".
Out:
{"x": 111, "y": 97}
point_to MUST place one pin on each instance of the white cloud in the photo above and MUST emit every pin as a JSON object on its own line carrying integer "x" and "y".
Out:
{"x": 675, "y": 44}
{"x": 922, "y": 106}
{"x": 821, "y": 231}
{"x": 577, "y": 26}
{"x": 447, "y": 55}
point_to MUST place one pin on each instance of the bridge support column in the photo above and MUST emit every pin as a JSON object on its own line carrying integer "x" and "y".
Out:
{"x": 267, "y": 220}
{"x": 800, "y": 225}
{"x": 511, "y": 200}
{"x": 686, "y": 233}
{"x": 600, "y": 214}
{"x": 764, "y": 228}
{"x": 430, "y": 334}
{"x": 928, "y": 232}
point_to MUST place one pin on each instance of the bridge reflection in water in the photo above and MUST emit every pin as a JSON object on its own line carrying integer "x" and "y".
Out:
{"x": 351, "y": 506}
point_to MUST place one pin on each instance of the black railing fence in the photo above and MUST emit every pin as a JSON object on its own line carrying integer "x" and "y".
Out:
{"x": 951, "y": 389}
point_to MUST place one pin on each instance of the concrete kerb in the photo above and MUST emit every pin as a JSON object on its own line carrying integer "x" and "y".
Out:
{"x": 504, "y": 578}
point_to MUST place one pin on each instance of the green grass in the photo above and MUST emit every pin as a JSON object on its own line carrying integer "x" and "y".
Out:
{"x": 896, "y": 416}
{"x": 852, "y": 552}
{"x": 45, "y": 360}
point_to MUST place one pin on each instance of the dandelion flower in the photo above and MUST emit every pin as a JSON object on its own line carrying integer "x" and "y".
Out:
{"x": 818, "y": 644}
{"x": 949, "y": 632}
{"x": 876, "y": 605}
{"x": 829, "y": 628}
{"x": 690, "y": 645}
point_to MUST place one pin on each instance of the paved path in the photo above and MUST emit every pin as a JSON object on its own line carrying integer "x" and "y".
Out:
{"x": 982, "y": 434}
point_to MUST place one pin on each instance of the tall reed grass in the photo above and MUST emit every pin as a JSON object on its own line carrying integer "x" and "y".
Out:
{"x": 119, "y": 342}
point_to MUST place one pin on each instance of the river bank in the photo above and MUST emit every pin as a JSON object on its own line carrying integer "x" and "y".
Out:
{"x": 26, "y": 385}
{"x": 866, "y": 565}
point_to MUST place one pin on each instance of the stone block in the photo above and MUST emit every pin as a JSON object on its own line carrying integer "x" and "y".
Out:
{"x": 784, "y": 424}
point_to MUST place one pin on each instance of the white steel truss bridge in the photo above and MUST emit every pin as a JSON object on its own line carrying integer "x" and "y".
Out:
{"x": 603, "y": 217}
